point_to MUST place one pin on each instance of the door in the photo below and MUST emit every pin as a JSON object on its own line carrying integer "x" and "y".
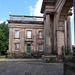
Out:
{"x": 28, "y": 49}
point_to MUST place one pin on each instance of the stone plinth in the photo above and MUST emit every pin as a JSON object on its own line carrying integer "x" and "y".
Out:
{"x": 69, "y": 67}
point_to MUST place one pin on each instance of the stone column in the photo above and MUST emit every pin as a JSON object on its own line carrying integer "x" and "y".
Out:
{"x": 55, "y": 28}
{"x": 74, "y": 21}
{"x": 65, "y": 36}
{"x": 74, "y": 32}
{"x": 44, "y": 35}
{"x": 60, "y": 38}
{"x": 69, "y": 44}
{"x": 35, "y": 40}
{"x": 47, "y": 29}
{"x": 10, "y": 52}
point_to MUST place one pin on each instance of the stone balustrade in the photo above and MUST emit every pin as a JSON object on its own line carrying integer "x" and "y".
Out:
{"x": 26, "y": 18}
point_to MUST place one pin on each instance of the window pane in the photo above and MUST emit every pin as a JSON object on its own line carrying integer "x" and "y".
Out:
{"x": 28, "y": 34}
{"x": 40, "y": 34}
{"x": 16, "y": 46}
{"x": 40, "y": 47}
{"x": 16, "y": 34}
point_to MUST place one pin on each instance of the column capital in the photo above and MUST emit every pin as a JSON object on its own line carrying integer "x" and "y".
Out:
{"x": 46, "y": 13}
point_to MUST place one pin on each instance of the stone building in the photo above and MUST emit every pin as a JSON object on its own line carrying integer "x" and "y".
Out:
{"x": 26, "y": 36}
{"x": 47, "y": 34}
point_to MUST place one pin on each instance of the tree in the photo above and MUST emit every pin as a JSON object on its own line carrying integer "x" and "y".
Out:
{"x": 2, "y": 41}
{"x": 4, "y": 37}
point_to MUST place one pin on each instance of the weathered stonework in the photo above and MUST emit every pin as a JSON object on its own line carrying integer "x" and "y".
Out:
{"x": 55, "y": 15}
{"x": 34, "y": 41}
{"x": 52, "y": 24}
{"x": 69, "y": 66}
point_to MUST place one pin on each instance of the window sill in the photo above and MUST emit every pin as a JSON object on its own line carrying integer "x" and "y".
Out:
{"x": 40, "y": 38}
{"x": 16, "y": 50}
{"x": 16, "y": 38}
{"x": 28, "y": 38}
{"x": 41, "y": 51}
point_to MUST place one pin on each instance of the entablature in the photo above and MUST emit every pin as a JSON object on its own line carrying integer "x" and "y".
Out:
{"x": 47, "y": 3}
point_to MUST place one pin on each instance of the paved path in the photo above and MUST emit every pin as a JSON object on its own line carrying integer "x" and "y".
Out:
{"x": 21, "y": 60}
{"x": 30, "y": 68}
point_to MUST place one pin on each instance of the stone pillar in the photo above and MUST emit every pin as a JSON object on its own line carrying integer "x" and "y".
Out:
{"x": 74, "y": 21}
{"x": 10, "y": 52}
{"x": 69, "y": 44}
{"x": 35, "y": 40}
{"x": 10, "y": 39}
{"x": 60, "y": 38}
{"x": 65, "y": 36}
{"x": 60, "y": 43}
{"x": 22, "y": 40}
{"x": 47, "y": 27}
{"x": 74, "y": 31}
{"x": 44, "y": 35}
{"x": 55, "y": 28}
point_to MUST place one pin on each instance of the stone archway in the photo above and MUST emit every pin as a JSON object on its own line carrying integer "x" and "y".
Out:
{"x": 65, "y": 9}
{"x": 65, "y": 14}
{"x": 59, "y": 9}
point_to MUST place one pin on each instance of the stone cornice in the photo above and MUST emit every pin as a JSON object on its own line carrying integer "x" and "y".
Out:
{"x": 47, "y": 2}
{"x": 25, "y": 22}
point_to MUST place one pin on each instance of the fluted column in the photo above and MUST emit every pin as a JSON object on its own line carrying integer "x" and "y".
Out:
{"x": 74, "y": 31}
{"x": 65, "y": 36}
{"x": 69, "y": 44}
{"x": 74, "y": 21}
{"x": 47, "y": 36}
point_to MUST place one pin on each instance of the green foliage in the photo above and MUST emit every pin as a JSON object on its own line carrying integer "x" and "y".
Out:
{"x": 72, "y": 46}
{"x": 2, "y": 41}
{"x": 4, "y": 36}
{"x": 2, "y": 56}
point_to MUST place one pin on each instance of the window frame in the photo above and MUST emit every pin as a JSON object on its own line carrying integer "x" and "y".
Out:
{"x": 18, "y": 48}
{"x": 31, "y": 34}
{"x": 39, "y": 49}
{"x": 39, "y": 34}
{"x": 18, "y": 35}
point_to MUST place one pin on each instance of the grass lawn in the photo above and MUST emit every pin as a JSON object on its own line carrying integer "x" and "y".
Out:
{"x": 3, "y": 56}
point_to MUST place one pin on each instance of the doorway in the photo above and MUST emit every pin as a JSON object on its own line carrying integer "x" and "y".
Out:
{"x": 28, "y": 48}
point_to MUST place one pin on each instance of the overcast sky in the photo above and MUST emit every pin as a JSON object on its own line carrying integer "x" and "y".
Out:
{"x": 24, "y": 7}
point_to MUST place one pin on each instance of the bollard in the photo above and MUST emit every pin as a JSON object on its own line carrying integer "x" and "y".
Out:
{"x": 0, "y": 54}
{"x": 63, "y": 53}
{"x": 43, "y": 59}
{"x": 74, "y": 51}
